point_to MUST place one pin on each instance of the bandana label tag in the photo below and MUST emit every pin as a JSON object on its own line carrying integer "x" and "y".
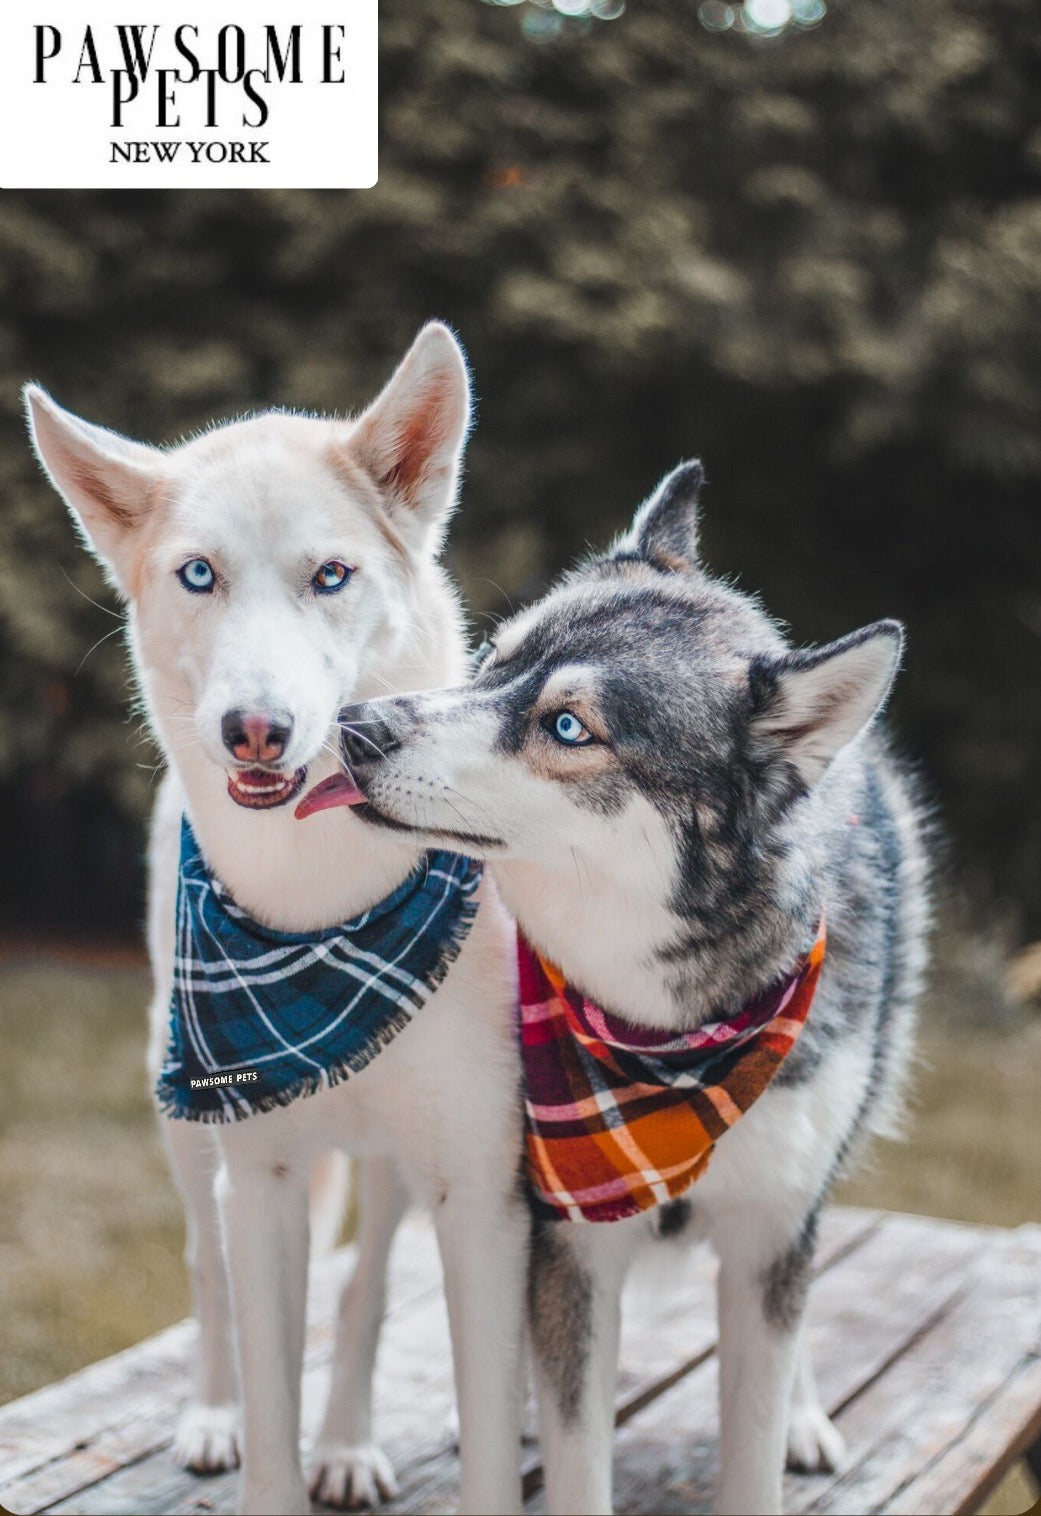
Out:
{"x": 259, "y": 1018}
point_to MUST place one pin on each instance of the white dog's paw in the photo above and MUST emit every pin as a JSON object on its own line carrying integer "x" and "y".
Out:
{"x": 815, "y": 1444}
{"x": 351, "y": 1477}
{"x": 207, "y": 1439}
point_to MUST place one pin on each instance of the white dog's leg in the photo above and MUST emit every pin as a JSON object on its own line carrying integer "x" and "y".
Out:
{"x": 762, "y": 1293}
{"x": 815, "y": 1444}
{"x": 576, "y": 1284}
{"x": 207, "y": 1437}
{"x": 350, "y": 1469}
{"x": 264, "y": 1214}
{"x": 483, "y": 1240}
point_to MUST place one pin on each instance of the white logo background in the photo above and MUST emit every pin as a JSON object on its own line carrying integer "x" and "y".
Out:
{"x": 60, "y": 134}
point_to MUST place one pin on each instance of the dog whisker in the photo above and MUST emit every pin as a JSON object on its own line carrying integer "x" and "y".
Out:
{"x": 498, "y": 619}
{"x": 114, "y": 632}
{"x": 448, "y": 790}
{"x": 374, "y": 745}
{"x": 107, "y": 609}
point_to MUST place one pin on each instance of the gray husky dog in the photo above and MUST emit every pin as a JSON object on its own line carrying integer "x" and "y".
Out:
{"x": 672, "y": 798}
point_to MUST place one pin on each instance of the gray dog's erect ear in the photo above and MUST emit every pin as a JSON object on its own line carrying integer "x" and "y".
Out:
{"x": 810, "y": 704}
{"x": 665, "y": 528}
{"x": 410, "y": 441}
{"x": 108, "y": 482}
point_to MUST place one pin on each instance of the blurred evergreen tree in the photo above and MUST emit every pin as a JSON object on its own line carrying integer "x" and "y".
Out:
{"x": 813, "y": 260}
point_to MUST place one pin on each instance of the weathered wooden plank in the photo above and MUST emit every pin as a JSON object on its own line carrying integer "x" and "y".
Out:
{"x": 95, "y": 1397}
{"x": 963, "y": 1479}
{"x": 999, "y": 1418}
{"x": 72, "y": 1435}
{"x": 862, "y": 1313}
{"x": 667, "y": 1455}
{"x": 669, "y": 1312}
{"x": 890, "y": 1288}
{"x": 48, "y": 1424}
{"x": 907, "y": 1426}
{"x": 414, "y": 1390}
{"x": 676, "y": 1333}
{"x": 665, "y": 1333}
{"x": 413, "y": 1395}
{"x": 865, "y": 1313}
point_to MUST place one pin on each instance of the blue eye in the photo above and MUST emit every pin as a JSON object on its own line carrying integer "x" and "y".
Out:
{"x": 332, "y": 576}
{"x": 566, "y": 728}
{"x": 197, "y": 575}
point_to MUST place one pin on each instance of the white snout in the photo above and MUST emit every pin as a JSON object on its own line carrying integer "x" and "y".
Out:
{"x": 275, "y": 669}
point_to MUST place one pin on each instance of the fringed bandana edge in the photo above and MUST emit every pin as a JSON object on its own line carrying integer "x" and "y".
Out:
{"x": 620, "y": 1118}
{"x": 260, "y": 1018}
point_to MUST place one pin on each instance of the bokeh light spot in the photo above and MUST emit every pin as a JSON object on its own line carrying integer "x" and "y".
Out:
{"x": 715, "y": 16}
{"x": 767, "y": 15}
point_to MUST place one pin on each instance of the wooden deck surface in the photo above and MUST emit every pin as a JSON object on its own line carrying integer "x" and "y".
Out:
{"x": 926, "y": 1337}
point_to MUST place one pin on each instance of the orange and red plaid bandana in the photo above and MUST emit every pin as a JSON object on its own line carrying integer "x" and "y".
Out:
{"x": 619, "y": 1117}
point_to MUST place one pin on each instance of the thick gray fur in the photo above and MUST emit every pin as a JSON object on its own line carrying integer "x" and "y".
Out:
{"x": 691, "y": 678}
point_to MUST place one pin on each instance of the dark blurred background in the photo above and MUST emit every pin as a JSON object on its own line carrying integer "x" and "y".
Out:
{"x": 812, "y": 257}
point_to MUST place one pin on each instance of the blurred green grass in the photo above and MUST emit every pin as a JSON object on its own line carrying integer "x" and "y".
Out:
{"x": 90, "y": 1249}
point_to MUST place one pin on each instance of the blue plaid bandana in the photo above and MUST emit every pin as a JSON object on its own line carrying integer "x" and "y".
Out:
{"x": 259, "y": 1017}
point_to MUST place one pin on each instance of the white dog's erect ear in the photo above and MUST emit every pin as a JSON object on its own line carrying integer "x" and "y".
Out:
{"x": 810, "y": 704}
{"x": 665, "y": 528}
{"x": 411, "y": 439}
{"x": 108, "y": 482}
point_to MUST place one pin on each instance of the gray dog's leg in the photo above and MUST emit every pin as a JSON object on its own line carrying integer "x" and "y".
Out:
{"x": 762, "y": 1295}
{"x": 576, "y": 1282}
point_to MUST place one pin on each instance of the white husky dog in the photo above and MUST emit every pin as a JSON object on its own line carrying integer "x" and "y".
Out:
{"x": 276, "y": 569}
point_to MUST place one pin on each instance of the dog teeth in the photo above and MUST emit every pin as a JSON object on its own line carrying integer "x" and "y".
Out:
{"x": 254, "y": 788}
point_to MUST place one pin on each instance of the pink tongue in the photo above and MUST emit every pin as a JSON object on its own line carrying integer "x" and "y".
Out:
{"x": 339, "y": 790}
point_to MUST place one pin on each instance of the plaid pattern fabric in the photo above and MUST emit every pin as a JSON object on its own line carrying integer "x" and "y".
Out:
{"x": 620, "y": 1118}
{"x": 259, "y": 1018}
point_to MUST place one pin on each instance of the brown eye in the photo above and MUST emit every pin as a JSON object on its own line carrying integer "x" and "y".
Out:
{"x": 332, "y": 576}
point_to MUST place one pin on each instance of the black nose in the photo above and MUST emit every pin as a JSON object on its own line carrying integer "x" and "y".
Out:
{"x": 364, "y": 737}
{"x": 256, "y": 736}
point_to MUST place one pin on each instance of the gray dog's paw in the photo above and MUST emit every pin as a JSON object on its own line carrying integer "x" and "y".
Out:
{"x": 815, "y": 1444}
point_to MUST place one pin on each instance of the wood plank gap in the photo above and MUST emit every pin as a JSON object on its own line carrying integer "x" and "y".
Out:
{"x": 73, "y": 1491}
{"x": 1024, "y": 1440}
{"x": 906, "y": 1421}
{"x": 947, "y": 1304}
{"x": 972, "y": 1500}
{"x": 850, "y": 1244}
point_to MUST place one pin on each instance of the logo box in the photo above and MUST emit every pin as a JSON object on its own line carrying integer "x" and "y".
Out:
{"x": 171, "y": 97}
